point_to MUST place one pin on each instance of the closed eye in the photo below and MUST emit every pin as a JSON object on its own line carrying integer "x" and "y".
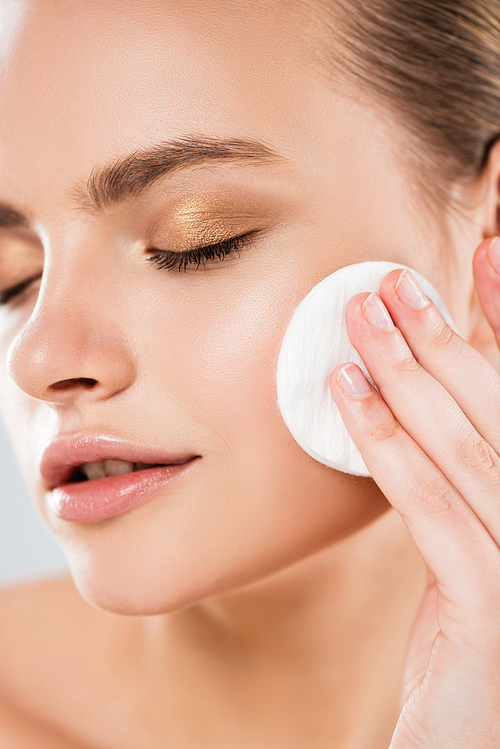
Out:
{"x": 181, "y": 261}
{"x": 16, "y": 291}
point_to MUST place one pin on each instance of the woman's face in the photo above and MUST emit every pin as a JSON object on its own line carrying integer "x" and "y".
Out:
{"x": 184, "y": 362}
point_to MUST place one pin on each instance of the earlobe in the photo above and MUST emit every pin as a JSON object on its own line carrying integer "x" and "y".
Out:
{"x": 481, "y": 336}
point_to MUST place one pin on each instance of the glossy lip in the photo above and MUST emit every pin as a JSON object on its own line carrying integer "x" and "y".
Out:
{"x": 104, "y": 498}
{"x": 107, "y": 497}
{"x": 65, "y": 454}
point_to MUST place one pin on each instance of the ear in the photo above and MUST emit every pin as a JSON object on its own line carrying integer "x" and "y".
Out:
{"x": 480, "y": 335}
{"x": 490, "y": 183}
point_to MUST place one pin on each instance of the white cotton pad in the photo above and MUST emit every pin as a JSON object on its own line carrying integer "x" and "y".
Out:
{"x": 314, "y": 344}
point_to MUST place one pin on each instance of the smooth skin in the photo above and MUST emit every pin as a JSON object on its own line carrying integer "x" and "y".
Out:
{"x": 267, "y": 600}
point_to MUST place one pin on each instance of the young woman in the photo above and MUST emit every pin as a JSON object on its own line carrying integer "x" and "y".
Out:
{"x": 174, "y": 178}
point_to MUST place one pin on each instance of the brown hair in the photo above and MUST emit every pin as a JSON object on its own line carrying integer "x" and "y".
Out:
{"x": 436, "y": 63}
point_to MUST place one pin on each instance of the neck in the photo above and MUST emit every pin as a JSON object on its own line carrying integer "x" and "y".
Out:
{"x": 312, "y": 655}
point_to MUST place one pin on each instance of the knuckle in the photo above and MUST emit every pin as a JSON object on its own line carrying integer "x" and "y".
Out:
{"x": 406, "y": 365}
{"x": 384, "y": 431}
{"x": 445, "y": 338}
{"x": 475, "y": 453}
{"x": 439, "y": 496}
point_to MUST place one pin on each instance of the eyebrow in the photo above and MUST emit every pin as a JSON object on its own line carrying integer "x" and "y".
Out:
{"x": 129, "y": 176}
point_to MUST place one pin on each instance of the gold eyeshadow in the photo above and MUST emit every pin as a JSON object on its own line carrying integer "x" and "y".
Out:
{"x": 206, "y": 219}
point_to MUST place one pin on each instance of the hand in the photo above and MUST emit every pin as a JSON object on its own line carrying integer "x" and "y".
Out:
{"x": 431, "y": 441}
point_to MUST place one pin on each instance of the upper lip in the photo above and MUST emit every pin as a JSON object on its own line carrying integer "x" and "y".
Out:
{"x": 66, "y": 453}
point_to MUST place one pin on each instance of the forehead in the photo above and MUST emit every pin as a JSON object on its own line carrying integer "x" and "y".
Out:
{"x": 84, "y": 82}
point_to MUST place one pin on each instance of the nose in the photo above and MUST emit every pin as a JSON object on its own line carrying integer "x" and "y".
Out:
{"x": 74, "y": 345}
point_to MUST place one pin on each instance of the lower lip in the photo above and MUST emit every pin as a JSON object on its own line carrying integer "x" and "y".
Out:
{"x": 104, "y": 498}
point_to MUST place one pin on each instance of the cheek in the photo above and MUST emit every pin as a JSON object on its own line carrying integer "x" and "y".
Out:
{"x": 220, "y": 364}
{"x": 219, "y": 358}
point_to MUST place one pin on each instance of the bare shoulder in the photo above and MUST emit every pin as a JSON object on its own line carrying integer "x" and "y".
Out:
{"x": 54, "y": 649}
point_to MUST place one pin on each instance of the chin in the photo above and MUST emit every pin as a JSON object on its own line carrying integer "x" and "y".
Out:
{"x": 129, "y": 598}
{"x": 128, "y": 590}
{"x": 200, "y": 544}
{"x": 128, "y": 586}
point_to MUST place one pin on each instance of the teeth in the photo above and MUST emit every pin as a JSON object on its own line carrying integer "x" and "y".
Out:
{"x": 94, "y": 470}
{"x": 105, "y": 468}
{"x": 115, "y": 467}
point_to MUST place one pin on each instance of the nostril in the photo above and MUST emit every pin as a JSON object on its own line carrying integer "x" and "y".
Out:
{"x": 86, "y": 382}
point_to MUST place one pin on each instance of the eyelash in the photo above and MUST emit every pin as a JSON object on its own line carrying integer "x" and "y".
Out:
{"x": 167, "y": 260}
{"x": 17, "y": 290}
{"x": 164, "y": 260}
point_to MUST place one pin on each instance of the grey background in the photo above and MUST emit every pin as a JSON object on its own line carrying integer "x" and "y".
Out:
{"x": 27, "y": 549}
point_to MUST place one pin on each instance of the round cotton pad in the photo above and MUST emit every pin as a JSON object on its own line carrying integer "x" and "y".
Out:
{"x": 314, "y": 344}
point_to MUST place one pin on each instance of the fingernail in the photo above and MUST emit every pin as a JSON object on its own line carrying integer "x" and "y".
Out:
{"x": 353, "y": 382}
{"x": 494, "y": 254}
{"x": 376, "y": 312}
{"x": 410, "y": 292}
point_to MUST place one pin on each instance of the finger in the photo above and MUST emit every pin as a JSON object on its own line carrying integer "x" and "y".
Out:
{"x": 471, "y": 381}
{"x": 425, "y": 409}
{"x": 453, "y": 543}
{"x": 486, "y": 267}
